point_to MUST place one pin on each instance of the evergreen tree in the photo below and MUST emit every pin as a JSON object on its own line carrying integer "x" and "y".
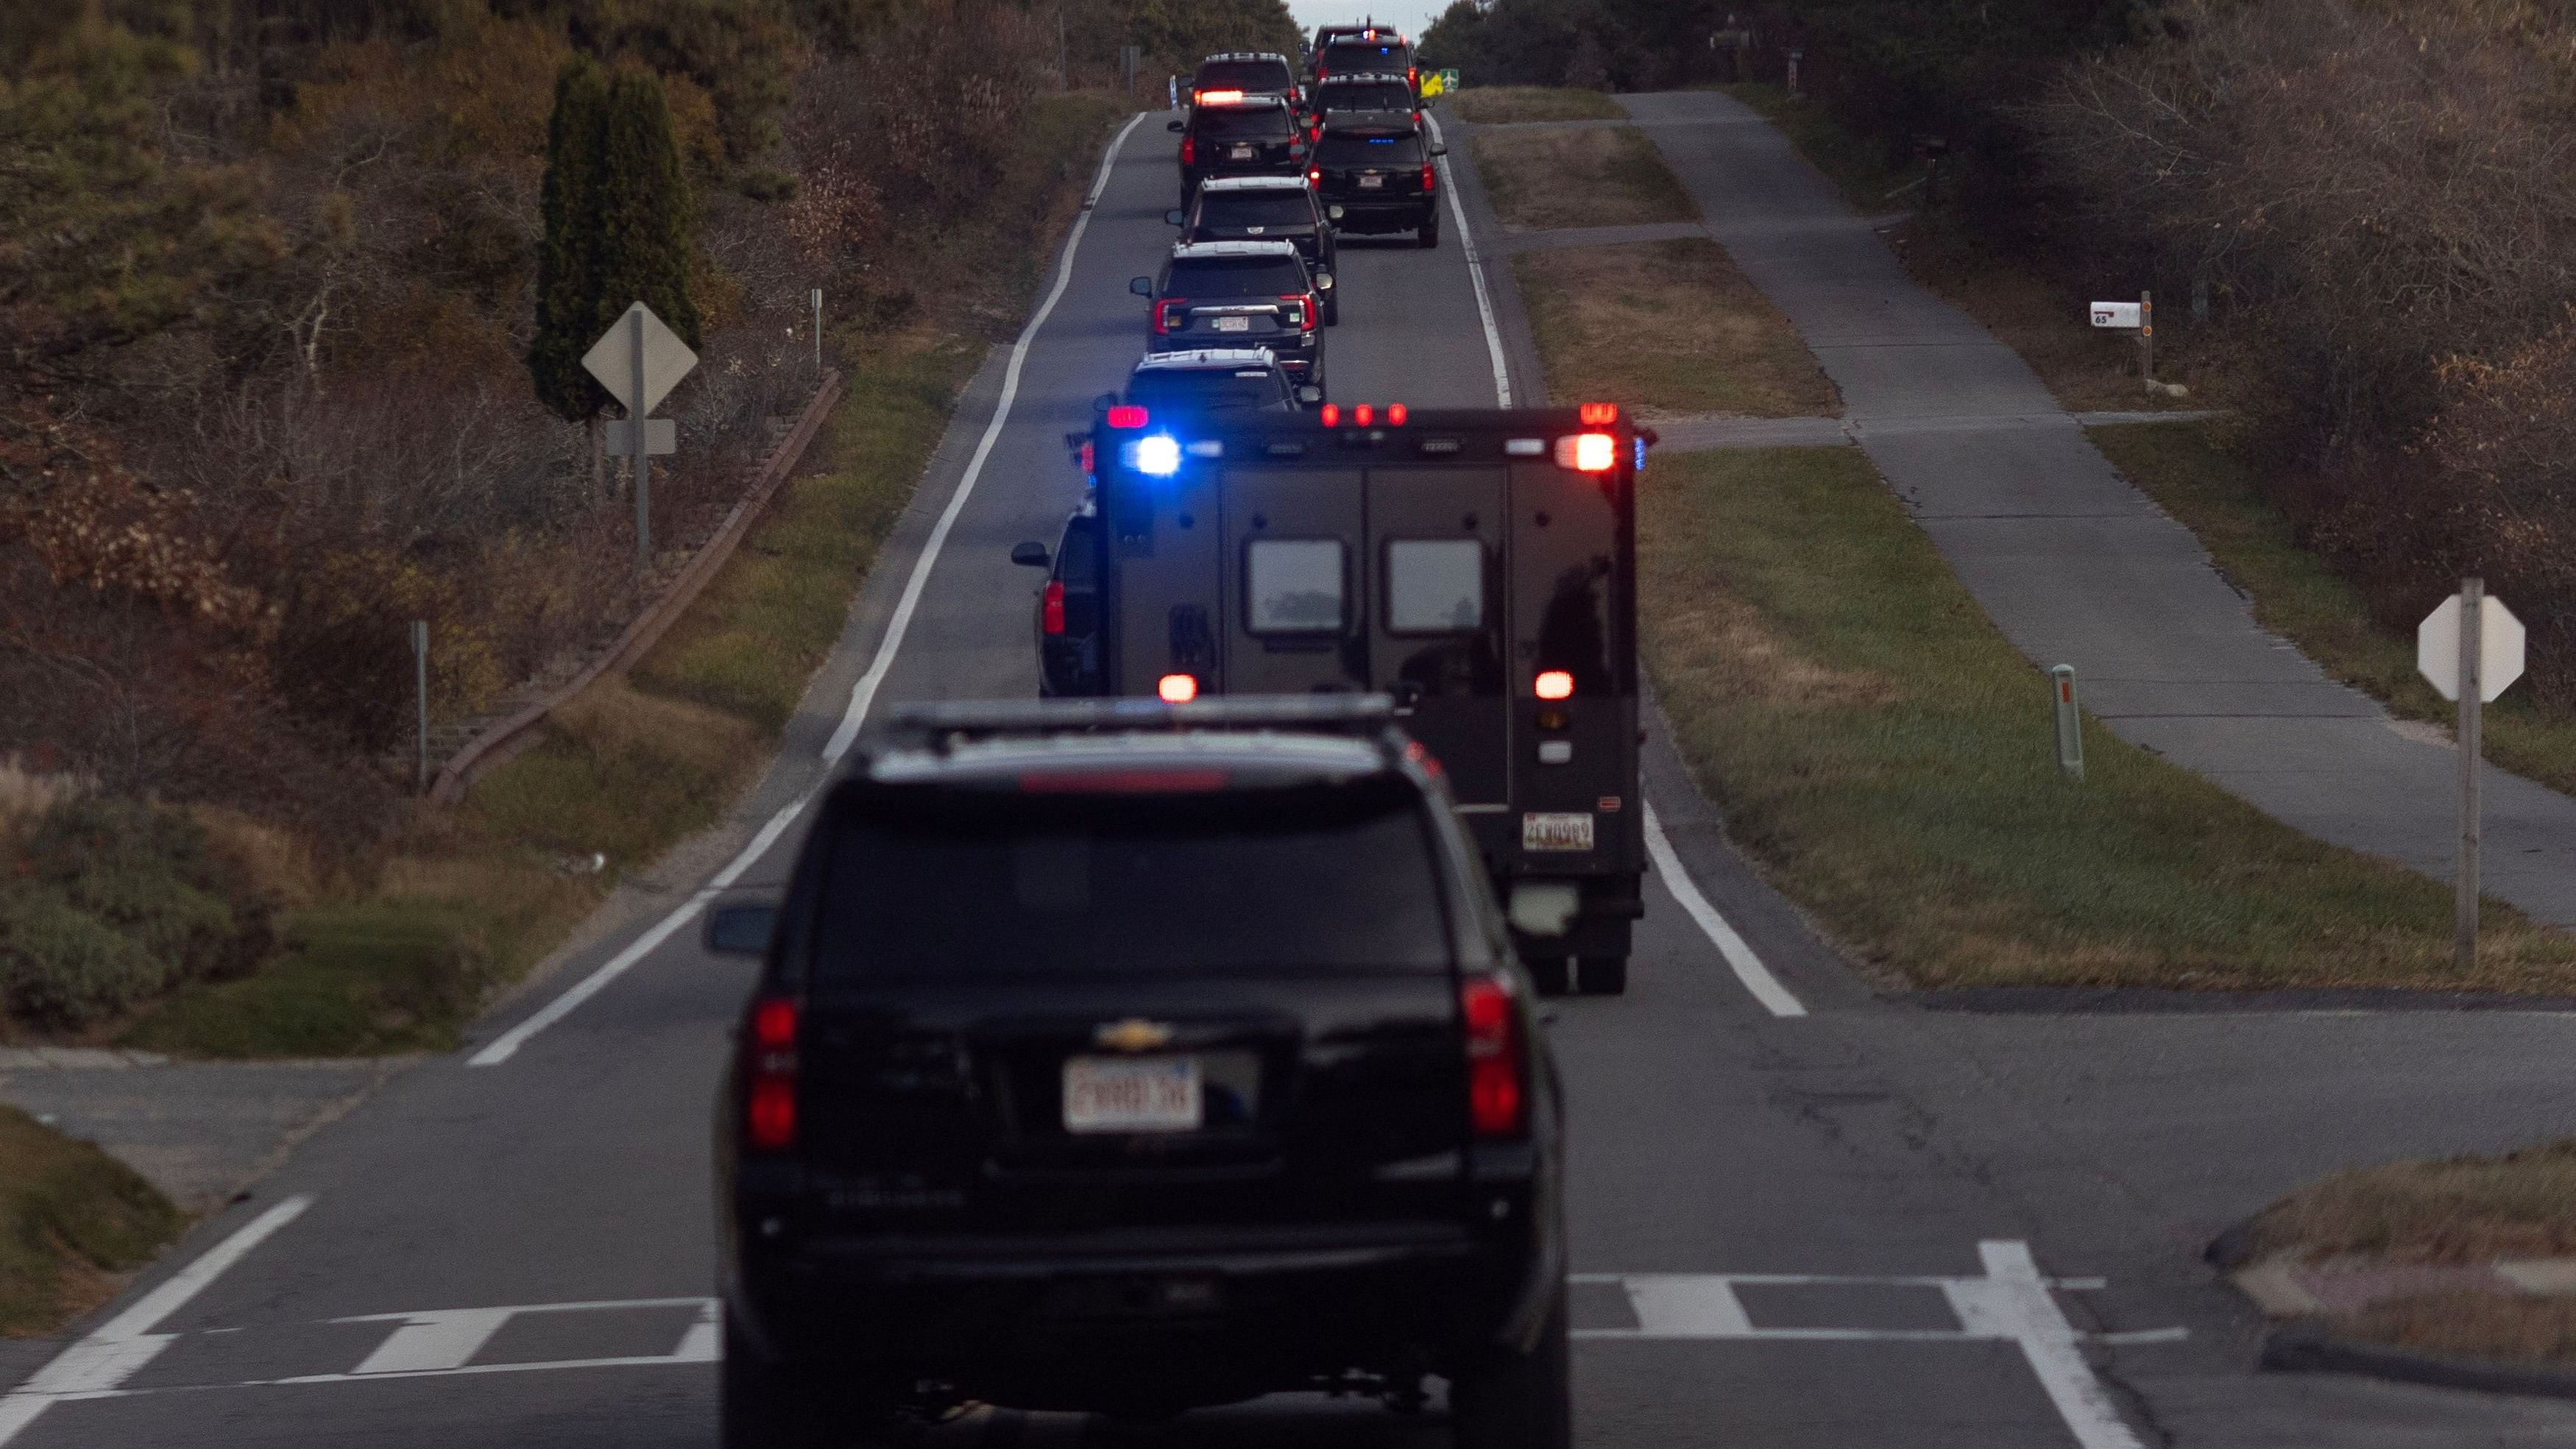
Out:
{"x": 645, "y": 217}
{"x": 568, "y": 294}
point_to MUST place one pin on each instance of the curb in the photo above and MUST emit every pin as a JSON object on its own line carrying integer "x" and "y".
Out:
{"x": 2308, "y": 1347}
{"x": 507, "y": 738}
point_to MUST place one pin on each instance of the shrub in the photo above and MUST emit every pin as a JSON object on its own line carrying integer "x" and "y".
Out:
{"x": 62, "y": 967}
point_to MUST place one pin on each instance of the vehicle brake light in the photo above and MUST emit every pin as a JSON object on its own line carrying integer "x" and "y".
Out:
{"x": 1051, "y": 608}
{"x": 1588, "y": 452}
{"x": 1089, "y": 463}
{"x": 1363, "y": 414}
{"x": 769, "y": 1092}
{"x": 1125, "y": 415}
{"x": 1177, "y": 688}
{"x": 1429, "y": 182}
{"x": 1497, "y": 1100}
{"x": 1555, "y": 684}
{"x": 1395, "y": 415}
{"x": 1220, "y": 98}
{"x": 1598, "y": 415}
{"x": 1189, "y": 150}
{"x": 1332, "y": 415}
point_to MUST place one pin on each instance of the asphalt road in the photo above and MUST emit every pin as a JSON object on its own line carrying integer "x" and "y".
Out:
{"x": 1868, "y": 1223}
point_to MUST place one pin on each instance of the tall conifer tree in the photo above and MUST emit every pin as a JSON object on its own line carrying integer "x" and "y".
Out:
{"x": 568, "y": 293}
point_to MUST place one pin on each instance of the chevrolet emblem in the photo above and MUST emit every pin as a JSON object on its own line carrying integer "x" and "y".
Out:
{"x": 1135, "y": 1034}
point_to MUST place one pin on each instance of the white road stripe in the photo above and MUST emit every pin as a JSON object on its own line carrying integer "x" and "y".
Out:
{"x": 2012, "y": 1302}
{"x": 1475, "y": 275}
{"x": 120, "y": 1347}
{"x": 862, "y": 695}
{"x": 1748, "y": 968}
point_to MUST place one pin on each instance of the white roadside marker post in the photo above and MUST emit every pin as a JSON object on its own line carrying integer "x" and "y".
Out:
{"x": 2470, "y": 648}
{"x": 2070, "y": 723}
{"x": 420, "y": 671}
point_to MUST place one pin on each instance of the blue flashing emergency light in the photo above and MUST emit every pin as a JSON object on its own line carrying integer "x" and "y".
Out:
{"x": 1158, "y": 456}
{"x": 1641, "y": 455}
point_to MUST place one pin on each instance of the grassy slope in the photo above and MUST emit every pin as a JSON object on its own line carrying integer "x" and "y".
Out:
{"x": 1720, "y": 346}
{"x": 70, "y": 1217}
{"x": 1888, "y": 757}
{"x": 2295, "y": 595}
{"x": 1504, "y": 105}
{"x": 1606, "y": 176}
{"x": 636, "y": 765}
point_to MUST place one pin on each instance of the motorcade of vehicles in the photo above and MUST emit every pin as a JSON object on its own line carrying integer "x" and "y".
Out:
{"x": 1225, "y": 79}
{"x": 1374, "y": 171}
{"x": 1278, "y": 208}
{"x": 1122, "y": 1057}
{"x": 1477, "y": 565}
{"x": 1238, "y": 294}
{"x": 1253, "y": 136}
{"x": 1345, "y": 94}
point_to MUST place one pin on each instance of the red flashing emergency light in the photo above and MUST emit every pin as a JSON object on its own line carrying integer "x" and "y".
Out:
{"x": 1126, "y": 415}
{"x": 1598, "y": 415}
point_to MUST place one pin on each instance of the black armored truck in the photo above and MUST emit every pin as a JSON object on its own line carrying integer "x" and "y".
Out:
{"x": 1477, "y": 565}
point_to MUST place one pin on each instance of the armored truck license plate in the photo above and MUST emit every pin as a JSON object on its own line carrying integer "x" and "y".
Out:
{"x": 1133, "y": 1094}
{"x": 1540, "y": 831}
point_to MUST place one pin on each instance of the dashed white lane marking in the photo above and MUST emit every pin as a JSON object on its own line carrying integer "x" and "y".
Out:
{"x": 862, "y": 694}
{"x": 2010, "y": 1302}
{"x": 1748, "y": 968}
{"x": 1475, "y": 275}
{"x": 118, "y": 1348}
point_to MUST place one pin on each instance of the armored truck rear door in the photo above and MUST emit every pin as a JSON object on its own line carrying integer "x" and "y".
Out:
{"x": 1295, "y": 540}
{"x": 1438, "y": 615}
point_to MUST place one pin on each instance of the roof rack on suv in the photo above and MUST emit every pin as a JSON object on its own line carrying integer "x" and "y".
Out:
{"x": 1346, "y": 712}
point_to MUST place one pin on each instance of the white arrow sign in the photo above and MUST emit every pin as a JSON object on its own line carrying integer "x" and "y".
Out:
{"x": 612, "y": 360}
{"x": 2437, "y": 648}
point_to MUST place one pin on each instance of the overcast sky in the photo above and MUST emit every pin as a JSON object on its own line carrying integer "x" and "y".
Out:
{"x": 1410, "y": 16}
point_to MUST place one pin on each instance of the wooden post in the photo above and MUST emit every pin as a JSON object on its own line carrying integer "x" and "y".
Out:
{"x": 2472, "y": 712}
{"x": 2147, "y": 337}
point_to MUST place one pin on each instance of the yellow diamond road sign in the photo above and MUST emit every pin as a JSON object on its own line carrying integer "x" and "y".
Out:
{"x": 612, "y": 359}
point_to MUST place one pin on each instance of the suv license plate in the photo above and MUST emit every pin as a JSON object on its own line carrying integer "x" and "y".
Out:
{"x": 1242, "y": 153}
{"x": 1234, "y": 324}
{"x": 1372, "y": 183}
{"x": 1132, "y": 1094}
{"x": 1556, "y": 832}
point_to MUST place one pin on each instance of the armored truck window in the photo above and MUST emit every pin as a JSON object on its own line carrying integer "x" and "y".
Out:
{"x": 1247, "y": 123}
{"x": 947, "y": 884}
{"x": 1365, "y": 150}
{"x": 1268, "y": 278}
{"x": 1294, "y": 586}
{"x": 1435, "y": 585}
{"x": 1256, "y": 208}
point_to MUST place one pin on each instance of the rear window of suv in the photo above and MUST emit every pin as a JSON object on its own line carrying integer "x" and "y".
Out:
{"x": 1204, "y": 277}
{"x": 1366, "y": 96}
{"x": 1343, "y": 57}
{"x": 966, "y": 884}
{"x": 1256, "y": 76}
{"x": 1346, "y": 149}
{"x": 1256, "y": 208}
{"x": 1207, "y": 390}
{"x": 1242, "y": 123}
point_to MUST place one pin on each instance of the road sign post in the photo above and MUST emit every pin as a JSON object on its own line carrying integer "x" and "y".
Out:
{"x": 2147, "y": 338}
{"x": 2070, "y": 722}
{"x": 818, "y": 334}
{"x": 639, "y": 360}
{"x": 420, "y": 679}
{"x": 2470, "y": 648}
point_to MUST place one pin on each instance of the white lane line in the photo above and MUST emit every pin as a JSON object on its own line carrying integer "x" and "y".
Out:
{"x": 2012, "y": 1301}
{"x": 1475, "y": 275}
{"x": 1748, "y": 968}
{"x": 118, "y": 1348}
{"x": 862, "y": 695}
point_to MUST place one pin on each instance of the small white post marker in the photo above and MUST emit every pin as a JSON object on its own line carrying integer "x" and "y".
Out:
{"x": 2470, "y": 648}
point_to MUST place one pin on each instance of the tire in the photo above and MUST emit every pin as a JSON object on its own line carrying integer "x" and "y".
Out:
{"x": 1513, "y": 1400}
{"x": 1332, "y": 311}
{"x": 1428, "y": 235}
{"x": 1601, "y": 975}
{"x": 1549, "y": 974}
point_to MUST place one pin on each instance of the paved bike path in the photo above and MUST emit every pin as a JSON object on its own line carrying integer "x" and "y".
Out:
{"x": 2074, "y": 564}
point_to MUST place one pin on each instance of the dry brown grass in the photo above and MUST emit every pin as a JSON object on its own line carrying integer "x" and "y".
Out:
{"x": 2457, "y": 1210}
{"x": 279, "y": 862}
{"x": 1667, "y": 327}
{"x": 1505, "y": 105}
{"x": 1602, "y": 176}
{"x": 26, "y": 794}
{"x": 2471, "y": 1325}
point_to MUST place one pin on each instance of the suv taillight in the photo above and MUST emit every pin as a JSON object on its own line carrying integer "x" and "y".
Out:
{"x": 1301, "y": 310}
{"x": 1428, "y": 181}
{"x": 1051, "y": 608}
{"x": 1497, "y": 1058}
{"x": 1189, "y": 150}
{"x": 769, "y": 1086}
{"x": 1170, "y": 313}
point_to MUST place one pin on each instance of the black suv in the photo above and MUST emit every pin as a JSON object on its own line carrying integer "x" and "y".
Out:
{"x": 1368, "y": 52}
{"x": 1116, "y": 1056}
{"x": 1276, "y": 208}
{"x": 1238, "y": 294}
{"x": 1255, "y": 136}
{"x": 1068, "y": 612}
{"x": 1241, "y": 73}
{"x": 1373, "y": 172}
{"x": 1345, "y": 94}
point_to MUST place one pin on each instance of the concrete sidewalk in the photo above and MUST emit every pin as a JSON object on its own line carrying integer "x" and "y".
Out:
{"x": 2075, "y": 565}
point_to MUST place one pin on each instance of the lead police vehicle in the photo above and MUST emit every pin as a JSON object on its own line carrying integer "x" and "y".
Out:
{"x": 1479, "y": 566}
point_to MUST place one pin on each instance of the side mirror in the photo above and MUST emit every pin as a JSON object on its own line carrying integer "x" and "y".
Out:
{"x": 1439, "y": 148}
{"x": 1176, "y": 216}
{"x": 1030, "y": 555}
{"x": 1173, "y": 126}
{"x": 1323, "y": 281}
{"x": 1141, "y": 286}
{"x": 1310, "y": 395}
{"x": 1104, "y": 402}
{"x": 741, "y": 930}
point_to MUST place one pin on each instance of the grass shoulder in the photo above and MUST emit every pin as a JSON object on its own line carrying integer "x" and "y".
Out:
{"x": 2186, "y": 469}
{"x": 1543, "y": 180}
{"x": 1886, "y": 756}
{"x": 1719, "y": 345}
{"x": 1507, "y": 105}
{"x": 72, "y": 1221}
